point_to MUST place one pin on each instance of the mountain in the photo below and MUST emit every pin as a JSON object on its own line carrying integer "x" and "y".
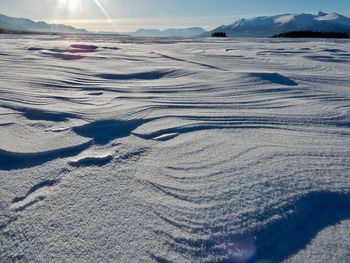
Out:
{"x": 171, "y": 32}
{"x": 23, "y": 24}
{"x": 267, "y": 26}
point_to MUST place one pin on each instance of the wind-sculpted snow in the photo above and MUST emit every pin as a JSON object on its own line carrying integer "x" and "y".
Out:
{"x": 207, "y": 150}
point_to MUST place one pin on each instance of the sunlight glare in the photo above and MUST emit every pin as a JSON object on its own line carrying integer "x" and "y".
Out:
{"x": 75, "y": 9}
{"x": 73, "y": 6}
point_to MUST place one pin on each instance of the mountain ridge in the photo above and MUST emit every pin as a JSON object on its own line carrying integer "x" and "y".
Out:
{"x": 8, "y": 23}
{"x": 267, "y": 26}
{"x": 169, "y": 32}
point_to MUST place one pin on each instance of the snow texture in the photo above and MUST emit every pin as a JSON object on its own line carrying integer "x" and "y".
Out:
{"x": 206, "y": 150}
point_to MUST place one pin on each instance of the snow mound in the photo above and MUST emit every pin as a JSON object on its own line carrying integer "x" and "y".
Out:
{"x": 151, "y": 75}
{"x": 91, "y": 158}
{"x": 273, "y": 78}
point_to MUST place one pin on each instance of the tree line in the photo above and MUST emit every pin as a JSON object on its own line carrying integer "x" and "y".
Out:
{"x": 313, "y": 34}
{"x": 218, "y": 34}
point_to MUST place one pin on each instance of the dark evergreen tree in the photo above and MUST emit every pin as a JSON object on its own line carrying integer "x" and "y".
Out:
{"x": 313, "y": 34}
{"x": 218, "y": 34}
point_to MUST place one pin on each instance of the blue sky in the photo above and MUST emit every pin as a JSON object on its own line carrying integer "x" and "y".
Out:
{"x": 128, "y": 15}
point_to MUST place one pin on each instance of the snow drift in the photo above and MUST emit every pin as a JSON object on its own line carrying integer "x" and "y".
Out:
{"x": 206, "y": 150}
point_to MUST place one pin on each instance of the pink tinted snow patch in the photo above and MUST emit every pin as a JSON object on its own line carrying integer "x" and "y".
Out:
{"x": 82, "y": 48}
{"x": 67, "y": 56}
{"x": 73, "y": 52}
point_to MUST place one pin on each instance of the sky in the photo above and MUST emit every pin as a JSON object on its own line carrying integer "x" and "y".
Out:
{"x": 129, "y": 15}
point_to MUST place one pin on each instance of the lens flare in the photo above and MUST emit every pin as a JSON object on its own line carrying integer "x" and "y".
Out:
{"x": 103, "y": 10}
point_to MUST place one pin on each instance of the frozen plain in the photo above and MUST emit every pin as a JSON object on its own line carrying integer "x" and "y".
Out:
{"x": 204, "y": 150}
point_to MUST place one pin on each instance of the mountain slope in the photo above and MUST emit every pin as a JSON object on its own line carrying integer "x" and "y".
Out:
{"x": 171, "y": 32}
{"x": 24, "y": 24}
{"x": 267, "y": 26}
{"x": 6, "y": 26}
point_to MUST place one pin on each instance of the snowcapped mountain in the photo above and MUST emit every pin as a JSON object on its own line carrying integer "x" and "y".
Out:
{"x": 171, "y": 32}
{"x": 267, "y": 26}
{"x": 24, "y": 24}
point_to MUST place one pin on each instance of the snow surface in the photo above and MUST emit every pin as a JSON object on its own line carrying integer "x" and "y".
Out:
{"x": 207, "y": 150}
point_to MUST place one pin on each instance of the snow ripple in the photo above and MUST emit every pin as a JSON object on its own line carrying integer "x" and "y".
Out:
{"x": 115, "y": 149}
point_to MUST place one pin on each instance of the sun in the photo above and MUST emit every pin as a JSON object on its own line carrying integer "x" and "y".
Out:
{"x": 73, "y": 6}
{"x": 76, "y": 6}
